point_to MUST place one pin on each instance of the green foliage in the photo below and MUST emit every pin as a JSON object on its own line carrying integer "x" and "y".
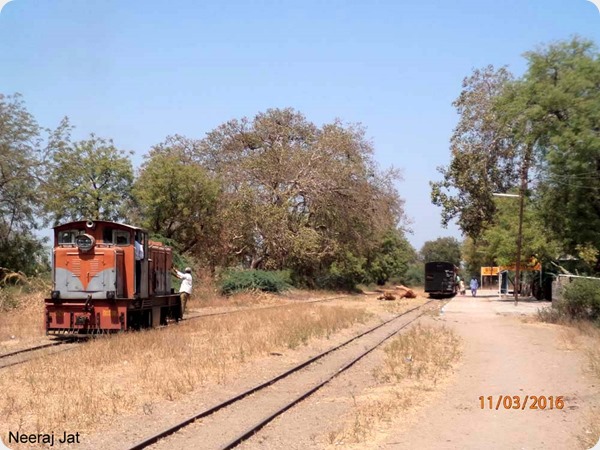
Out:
{"x": 21, "y": 169}
{"x": 178, "y": 199}
{"x": 557, "y": 107}
{"x": 24, "y": 253}
{"x": 501, "y": 237}
{"x": 391, "y": 258}
{"x": 19, "y": 134}
{"x": 89, "y": 179}
{"x": 545, "y": 123}
{"x": 442, "y": 249}
{"x": 248, "y": 280}
{"x": 483, "y": 155}
{"x": 415, "y": 275}
{"x": 581, "y": 299}
{"x": 476, "y": 255}
{"x": 588, "y": 254}
{"x": 292, "y": 195}
{"x": 345, "y": 273}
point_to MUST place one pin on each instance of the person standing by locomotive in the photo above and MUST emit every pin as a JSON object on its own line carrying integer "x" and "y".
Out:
{"x": 185, "y": 290}
{"x": 139, "y": 256}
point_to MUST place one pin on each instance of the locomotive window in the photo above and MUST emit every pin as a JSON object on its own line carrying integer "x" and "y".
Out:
{"x": 67, "y": 237}
{"x": 121, "y": 237}
{"x": 107, "y": 235}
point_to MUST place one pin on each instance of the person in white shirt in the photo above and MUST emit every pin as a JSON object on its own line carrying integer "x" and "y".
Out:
{"x": 139, "y": 256}
{"x": 139, "y": 250}
{"x": 185, "y": 289}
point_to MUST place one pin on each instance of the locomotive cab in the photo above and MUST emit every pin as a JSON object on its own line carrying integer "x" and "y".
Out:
{"x": 105, "y": 279}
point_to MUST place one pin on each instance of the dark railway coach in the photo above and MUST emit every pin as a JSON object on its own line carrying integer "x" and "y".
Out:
{"x": 108, "y": 277}
{"x": 440, "y": 279}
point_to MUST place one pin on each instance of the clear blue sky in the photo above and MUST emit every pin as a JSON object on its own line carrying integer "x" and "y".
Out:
{"x": 137, "y": 71}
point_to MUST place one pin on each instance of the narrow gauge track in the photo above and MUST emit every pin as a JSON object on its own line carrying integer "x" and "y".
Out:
{"x": 74, "y": 340}
{"x": 256, "y": 427}
{"x": 37, "y": 348}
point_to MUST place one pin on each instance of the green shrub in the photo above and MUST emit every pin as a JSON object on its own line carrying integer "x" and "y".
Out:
{"x": 345, "y": 273}
{"x": 581, "y": 299}
{"x": 415, "y": 275}
{"x": 247, "y": 280}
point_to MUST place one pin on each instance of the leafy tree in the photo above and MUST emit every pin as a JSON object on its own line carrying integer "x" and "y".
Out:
{"x": 545, "y": 123}
{"x": 501, "y": 238}
{"x": 442, "y": 249}
{"x": 391, "y": 258}
{"x": 415, "y": 274}
{"x": 19, "y": 147}
{"x": 89, "y": 179}
{"x": 558, "y": 104}
{"x": 178, "y": 200}
{"x": 20, "y": 161}
{"x": 483, "y": 154}
{"x": 298, "y": 196}
{"x": 476, "y": 255}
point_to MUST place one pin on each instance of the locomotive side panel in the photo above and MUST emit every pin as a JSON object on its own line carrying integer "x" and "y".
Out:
{"x": 159, "y": 265}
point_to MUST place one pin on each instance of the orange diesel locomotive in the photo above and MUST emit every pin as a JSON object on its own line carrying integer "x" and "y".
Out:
{"x": 108, "y": 277}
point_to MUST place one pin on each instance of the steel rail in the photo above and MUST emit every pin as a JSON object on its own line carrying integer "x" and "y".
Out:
{"x": 16, "y": 363}
{"x": 31, "y": 349}
{"x": 207, "y": 412}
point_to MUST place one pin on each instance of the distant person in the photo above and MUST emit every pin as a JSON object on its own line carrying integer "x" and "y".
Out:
{"x": 474, "y": 285}
{"x": 461, "y": 287}
{"x": 185, "y": 290}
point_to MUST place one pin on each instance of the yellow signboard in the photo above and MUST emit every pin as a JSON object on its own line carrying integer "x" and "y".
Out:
{"x": 489, "y": 271}
{"x": 523, "y": 268}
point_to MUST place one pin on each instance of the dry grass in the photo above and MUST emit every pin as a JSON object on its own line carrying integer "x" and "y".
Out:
{"x": 584, "y": 336}
{"x": 414, "y": 363}
{"x": 24, "y": 322}
{"x": 592, "y": 431}
{"x": 206, "y": 295}
{"x": 86, "y": 387}
{"x": 422, "y": 352}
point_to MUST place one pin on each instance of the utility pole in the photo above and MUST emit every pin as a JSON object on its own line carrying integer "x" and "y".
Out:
{"x": 522, "y": 191}
{"x": 521, "y": 196}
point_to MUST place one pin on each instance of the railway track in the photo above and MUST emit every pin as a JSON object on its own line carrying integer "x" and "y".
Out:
{"x": 16, "y": 357}
{"x": 237, "y": 399}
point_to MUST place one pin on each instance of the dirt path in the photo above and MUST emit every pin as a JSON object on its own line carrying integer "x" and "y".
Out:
{"x": 503, "y": 355}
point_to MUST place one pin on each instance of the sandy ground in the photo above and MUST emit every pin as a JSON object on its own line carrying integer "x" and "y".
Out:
{"x": 505, "y": 352}
{"x": 504, "y": 355}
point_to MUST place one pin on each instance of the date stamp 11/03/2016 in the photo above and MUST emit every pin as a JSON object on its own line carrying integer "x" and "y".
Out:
{"x": 521, "y": 402}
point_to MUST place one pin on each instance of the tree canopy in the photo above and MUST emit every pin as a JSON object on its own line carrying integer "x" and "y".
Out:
{"x": 442, "y": 249}
{"x": 177, "y": 199}
{"x": 542, "y": 129}
{"x": 88, "y": 179}
{"x": 294, "y": 195}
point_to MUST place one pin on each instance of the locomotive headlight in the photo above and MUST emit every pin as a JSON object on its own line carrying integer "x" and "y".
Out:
{"x": 55, "y": 295}
{"x": 110, "y": 295}
{"x": 85, "y": 242}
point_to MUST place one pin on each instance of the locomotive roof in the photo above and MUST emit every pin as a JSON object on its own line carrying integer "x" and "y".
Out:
{"x": 102, "y": 222}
